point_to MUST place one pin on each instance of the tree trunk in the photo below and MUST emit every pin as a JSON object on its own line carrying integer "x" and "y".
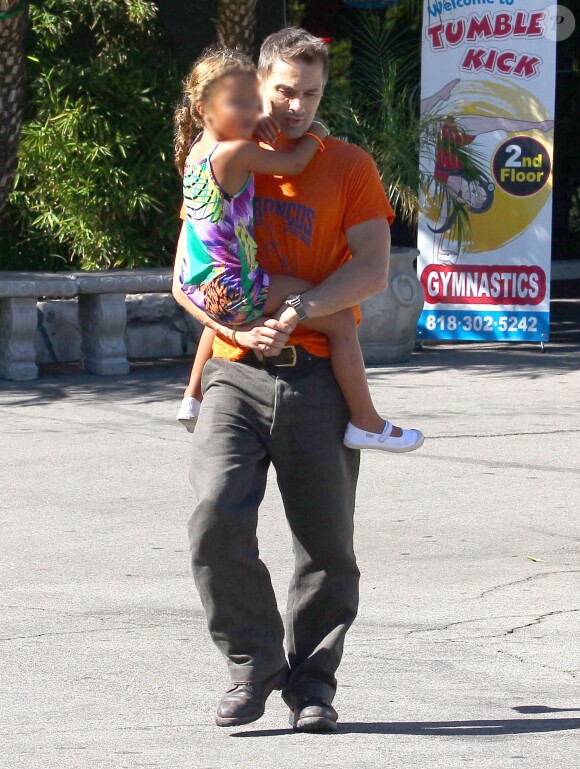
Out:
{"x": 13, "y": 18}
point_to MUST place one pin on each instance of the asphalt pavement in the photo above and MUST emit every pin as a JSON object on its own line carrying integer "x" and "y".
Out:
{"x": 466, "y": 649}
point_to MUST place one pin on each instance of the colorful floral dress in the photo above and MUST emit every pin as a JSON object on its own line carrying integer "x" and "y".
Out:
{"x": 220, "y": 273}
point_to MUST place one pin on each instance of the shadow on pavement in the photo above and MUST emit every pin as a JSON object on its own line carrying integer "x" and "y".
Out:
{"x": 475, "y": 728}
{"x": 505, "y": 359}
{"x": 543, "y": 709}
{"x": 154, "y": 380}
{"x": 148, "y": 381}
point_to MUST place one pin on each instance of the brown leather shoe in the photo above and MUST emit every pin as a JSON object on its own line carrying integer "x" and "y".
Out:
{"x": 245, "y": 702}
{"x": 313, "y": 714}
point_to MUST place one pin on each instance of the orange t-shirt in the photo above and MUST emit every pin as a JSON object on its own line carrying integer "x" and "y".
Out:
{"x": 300, "y": 224}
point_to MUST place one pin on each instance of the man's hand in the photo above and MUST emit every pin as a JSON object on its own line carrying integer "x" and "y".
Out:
{"x": 264, "y": 337}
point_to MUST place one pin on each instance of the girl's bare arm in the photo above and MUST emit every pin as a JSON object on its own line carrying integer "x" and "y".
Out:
{"x": 243, "y": 157}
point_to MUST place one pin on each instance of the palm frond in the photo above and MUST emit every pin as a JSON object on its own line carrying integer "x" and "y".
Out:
{"x": 381, "y": 113}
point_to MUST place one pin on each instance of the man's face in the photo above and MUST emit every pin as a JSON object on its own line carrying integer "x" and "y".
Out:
{"x": 292, "y": 93}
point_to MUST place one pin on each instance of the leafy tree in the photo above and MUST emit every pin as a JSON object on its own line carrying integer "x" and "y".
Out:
{"x": 95, "y": 186}
{"x": 376, "y": 106}
{"x": 402, "y": 22}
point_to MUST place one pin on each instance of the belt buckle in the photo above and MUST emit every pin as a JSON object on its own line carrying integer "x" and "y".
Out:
{"x": 293, "y": 359}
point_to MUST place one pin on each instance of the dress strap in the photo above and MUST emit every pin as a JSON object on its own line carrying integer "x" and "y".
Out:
{"x": 195, "y": 141}
{"x": 213, "y": 150}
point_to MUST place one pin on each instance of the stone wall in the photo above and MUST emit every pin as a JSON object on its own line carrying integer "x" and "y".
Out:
{"x": 157, "y": 327}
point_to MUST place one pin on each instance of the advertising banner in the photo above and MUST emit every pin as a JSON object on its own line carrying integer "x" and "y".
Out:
{"x": 488, "y": 84}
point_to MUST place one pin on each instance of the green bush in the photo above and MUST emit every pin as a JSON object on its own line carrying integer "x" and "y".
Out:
{"x": 96, "y": 186}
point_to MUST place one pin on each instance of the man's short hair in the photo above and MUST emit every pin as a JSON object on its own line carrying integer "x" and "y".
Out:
{"x": 289, "y": 44}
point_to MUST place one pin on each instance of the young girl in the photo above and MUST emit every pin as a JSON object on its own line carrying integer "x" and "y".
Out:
{"x": 220, "y": 273}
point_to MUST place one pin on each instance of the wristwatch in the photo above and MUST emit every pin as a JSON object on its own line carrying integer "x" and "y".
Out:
{"x": 295, "y": 301}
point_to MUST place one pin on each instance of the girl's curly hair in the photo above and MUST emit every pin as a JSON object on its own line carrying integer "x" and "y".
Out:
{"x": 213, "y": 65}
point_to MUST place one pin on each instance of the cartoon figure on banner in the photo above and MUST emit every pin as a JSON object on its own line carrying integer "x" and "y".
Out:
{"x": 474, "y": 187}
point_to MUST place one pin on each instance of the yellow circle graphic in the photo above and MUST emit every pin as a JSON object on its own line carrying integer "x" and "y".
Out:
{"x": 508, "y": 216}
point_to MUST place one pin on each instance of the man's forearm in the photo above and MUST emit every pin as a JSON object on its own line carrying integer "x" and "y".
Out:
{"x": 364, "y": 275}
{"x": 346, "y": 287}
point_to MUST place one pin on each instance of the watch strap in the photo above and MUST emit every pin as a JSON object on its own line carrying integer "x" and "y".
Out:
{"x": 295, "y": 301}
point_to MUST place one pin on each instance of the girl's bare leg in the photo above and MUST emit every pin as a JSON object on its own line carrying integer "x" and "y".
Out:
{"x": 203, "y": 354}
{"x": 349, "y": 369}
{"x": 345, "y": 354}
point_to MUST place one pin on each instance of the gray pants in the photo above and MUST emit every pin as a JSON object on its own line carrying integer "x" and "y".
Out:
{"x": 254, "y": 414}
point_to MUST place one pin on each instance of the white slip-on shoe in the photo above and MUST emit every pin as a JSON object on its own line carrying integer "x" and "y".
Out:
{"x": 355, "y": 438}
{"x": 188, "y": 413}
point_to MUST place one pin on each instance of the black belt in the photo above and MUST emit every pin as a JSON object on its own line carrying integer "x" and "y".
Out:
{"x": 289, "y": 357}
